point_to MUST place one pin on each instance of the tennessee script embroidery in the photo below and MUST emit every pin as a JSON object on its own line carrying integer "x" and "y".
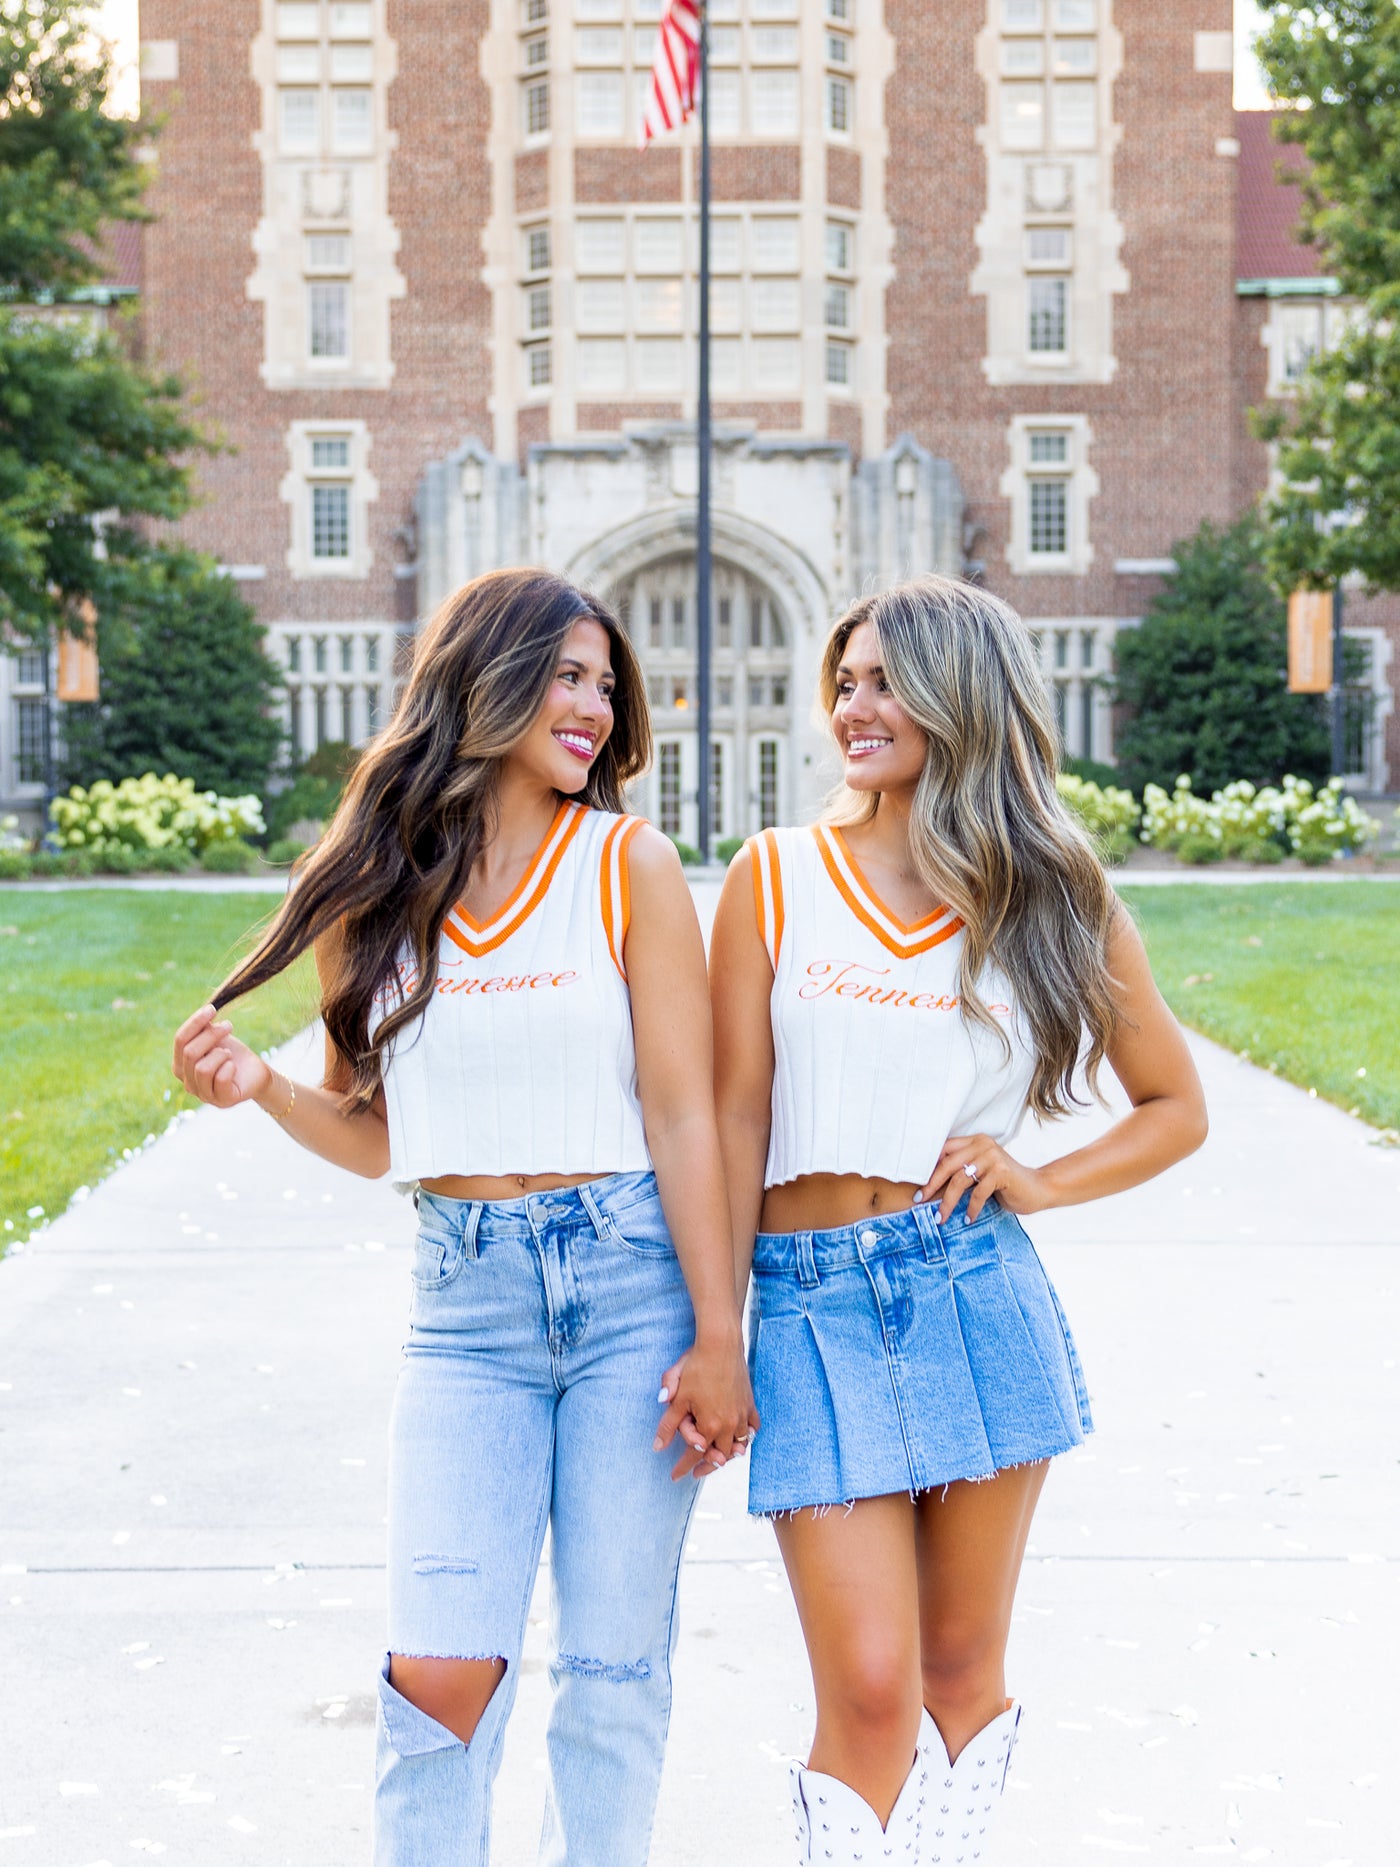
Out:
{"x": 497, "y": 982}
{"x": 840, "y": 979}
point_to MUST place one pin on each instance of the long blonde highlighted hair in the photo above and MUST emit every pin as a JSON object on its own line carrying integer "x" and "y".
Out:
{"x": 988, "y": 834}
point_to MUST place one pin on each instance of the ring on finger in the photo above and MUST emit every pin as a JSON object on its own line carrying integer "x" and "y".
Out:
{"x": 970, "y": 1170}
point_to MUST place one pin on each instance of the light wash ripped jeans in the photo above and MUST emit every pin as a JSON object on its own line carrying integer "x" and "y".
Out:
{"x": 541, "y": 1328}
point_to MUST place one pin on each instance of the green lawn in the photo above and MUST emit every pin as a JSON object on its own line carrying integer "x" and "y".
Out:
{"x": 93, "y": 983}
{"x": 1302, "y": 978}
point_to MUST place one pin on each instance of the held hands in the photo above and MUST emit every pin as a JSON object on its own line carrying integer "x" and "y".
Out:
{"x": 213, "y": 1065}
{"x": 1020, "y": 1189}
{"x": 710, "y": 1404}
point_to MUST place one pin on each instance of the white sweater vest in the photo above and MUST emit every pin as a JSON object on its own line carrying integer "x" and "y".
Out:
{"x": 874, "y": 1064}
{"x": 523, "y": 1060}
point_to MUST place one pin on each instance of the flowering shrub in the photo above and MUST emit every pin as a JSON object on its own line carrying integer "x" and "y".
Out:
{"x": 1109, "y": 814}
{"x": 10, "y": 837}
{"x": 1264, "y": 824}
{"x": 150, "y": 813}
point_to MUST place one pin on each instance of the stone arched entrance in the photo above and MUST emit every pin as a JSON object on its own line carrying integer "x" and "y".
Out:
{"x": 751, "y": 704}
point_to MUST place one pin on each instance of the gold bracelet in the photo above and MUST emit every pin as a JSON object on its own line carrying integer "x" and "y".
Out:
{"x": 291, "y": 1099}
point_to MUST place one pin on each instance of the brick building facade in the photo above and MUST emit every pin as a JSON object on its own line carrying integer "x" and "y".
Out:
{"x": 974, "y": 307}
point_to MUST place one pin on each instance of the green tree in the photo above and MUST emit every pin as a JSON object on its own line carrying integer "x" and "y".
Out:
{"x": 92, "y": 445}
{"x": 1204, "y": 676}
{"x": 1338, "y": 508}
{"x": 186, "y": 684}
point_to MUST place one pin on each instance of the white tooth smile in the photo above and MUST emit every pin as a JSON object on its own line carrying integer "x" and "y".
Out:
{"x": 576, "y": 742}
{"x": 865, "y": 745}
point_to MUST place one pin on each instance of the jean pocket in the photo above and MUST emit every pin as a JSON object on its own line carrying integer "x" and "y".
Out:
{"x": 437, "y": 1258}
{"x": 642, "y": 1229}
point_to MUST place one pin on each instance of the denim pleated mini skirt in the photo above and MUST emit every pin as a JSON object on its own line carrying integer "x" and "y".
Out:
{"x": 905, "y": 1353}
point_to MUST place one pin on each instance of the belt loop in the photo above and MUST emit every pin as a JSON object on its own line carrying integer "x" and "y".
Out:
{"x": 806, "y": 1261}
{"x": 930, "y": 1232}
{"x": 593, "y": 1209}
{"x": 470, "y": 1221}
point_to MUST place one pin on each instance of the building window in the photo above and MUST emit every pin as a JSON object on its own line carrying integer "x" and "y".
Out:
{"x": 330, "y": 451}
{"x": 840, "y": 370}
{"x": 328, "y": 319}
{"x": 347, "y": 654}
{"x": 350, "y": 19}
{"x": 328, "y": 252}
{"x": 1022, "y": 116}
{"x": 294, "y": 654}
{"x": 838, "y": 306}
{"x": 654, "y": 622}
{"x": 840, "y": 246}
{"x": 1047, "y": 300}
{"x": 1048, "y": 246}
{"x": 536, "y": 52}
{"x": 537, "y": 302}
{"x": 537, "y": 250}
{"x": 1049, "y": 516}
{"x": 31, "y": 740}
{"x": 725, "y": 623}
{"x": 319, "y": 660}
{"x": 373, "y": 720}
{"x": 668, "y": 773}
{"x": 540, "y": 366}
{"x": 1074, "y": 115}
{"x": 330, "y": 523}
{"x": 767, "y": 783}
{"x": 352, "y": 122}
{"x": 534, "y": 11}
{"x": 299, "y": 115}
{"x": 774, "y": 103}
{"x": 1050, "y": 484}
{"x": 1022, "y": 15}
{"x": 372, "y": 654}
{"x": 352, "y": 64}
{"x": 298, "y": 19}
{"x": 29, "y": 668}
{"x": 536, "y": 107}
{"x": 679, "y": 633}
{"x": 839, "y": 98}
{"x": 599, "y": 95}
{"x": 716, "y": 788}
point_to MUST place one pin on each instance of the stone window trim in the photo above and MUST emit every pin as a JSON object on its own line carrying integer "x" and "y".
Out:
{"x": 1073, "y": 471}
{"x": 304, "y": 474}
{"x": 1300, "y": 325}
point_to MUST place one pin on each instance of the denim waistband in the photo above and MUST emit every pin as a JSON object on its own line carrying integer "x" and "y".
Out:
{"x": 591, "y": 1204}
{"x": 779, "y": 1254}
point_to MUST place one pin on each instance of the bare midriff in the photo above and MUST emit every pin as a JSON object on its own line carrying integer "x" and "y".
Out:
{"x": 817, "y": 1202}
{"x": 502, "y": 1185}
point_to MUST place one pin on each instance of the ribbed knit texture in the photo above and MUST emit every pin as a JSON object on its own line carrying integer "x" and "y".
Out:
{"x": 866, "y": 1081}
{"x": 524, "y": 1060}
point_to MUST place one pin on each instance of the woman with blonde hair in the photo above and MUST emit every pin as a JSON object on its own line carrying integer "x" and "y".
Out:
{"x": 893, "y": 989}
{"x": 513, "y": 989}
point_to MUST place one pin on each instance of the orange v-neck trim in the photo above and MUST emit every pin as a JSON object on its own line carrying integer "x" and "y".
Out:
{"x": 907, "y": 939}
{"x": 480, "y": 937}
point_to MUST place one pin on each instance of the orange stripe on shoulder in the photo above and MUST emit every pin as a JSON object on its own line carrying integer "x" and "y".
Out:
{"x": 631, "y": 825}
{"x": 770, "y": 837}
{"x": 760, "y": 912}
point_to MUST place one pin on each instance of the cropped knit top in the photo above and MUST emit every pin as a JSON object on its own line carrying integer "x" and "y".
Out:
{"x": 874, "y": 1064}
{"x": 523, "y": 1059}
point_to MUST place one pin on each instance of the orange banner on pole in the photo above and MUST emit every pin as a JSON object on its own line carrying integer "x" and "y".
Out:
{"x": 77, "y": 658}
{"x": 1310, "y": 642}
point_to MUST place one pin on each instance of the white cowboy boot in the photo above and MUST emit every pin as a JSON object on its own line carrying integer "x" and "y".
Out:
{"x": 963, "y": 1796}
{"x": 836, "y": 1826}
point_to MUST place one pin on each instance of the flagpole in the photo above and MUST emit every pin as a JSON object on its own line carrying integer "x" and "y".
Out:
{"x": 702, "y": 512}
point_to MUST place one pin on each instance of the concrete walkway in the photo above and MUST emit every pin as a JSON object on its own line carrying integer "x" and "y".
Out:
{"x": 195, "y": 1372}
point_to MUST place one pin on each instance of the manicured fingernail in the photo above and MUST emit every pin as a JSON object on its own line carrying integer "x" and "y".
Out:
{"x": 664, "y": 1395}
{"x": 656, "y": 1443}
{"x": 918, "y": 1199}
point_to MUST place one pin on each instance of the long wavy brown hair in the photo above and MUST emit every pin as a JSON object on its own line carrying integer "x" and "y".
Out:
{"x": 422, "y": 805}
{"x": 988, "y": 834}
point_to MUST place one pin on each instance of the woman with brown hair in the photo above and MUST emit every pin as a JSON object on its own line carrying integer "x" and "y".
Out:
{"x": 513, "y": 990}
{"x": 894, "y": 989}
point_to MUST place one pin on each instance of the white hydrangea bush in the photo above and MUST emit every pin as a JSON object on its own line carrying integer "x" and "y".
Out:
{"x": 10, "y": 837}
{"x": 1294, "y": 818}
{"x": 1109, "y": 814}
{"x": 150, "y": 813}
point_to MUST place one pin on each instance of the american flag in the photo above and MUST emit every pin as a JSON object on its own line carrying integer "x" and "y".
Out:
{"x": 675, "y": 72}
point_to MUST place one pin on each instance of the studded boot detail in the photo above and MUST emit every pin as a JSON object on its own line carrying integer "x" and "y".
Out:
{"x": 963, "y": 1796}
{"x": 838, "y": 1828}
